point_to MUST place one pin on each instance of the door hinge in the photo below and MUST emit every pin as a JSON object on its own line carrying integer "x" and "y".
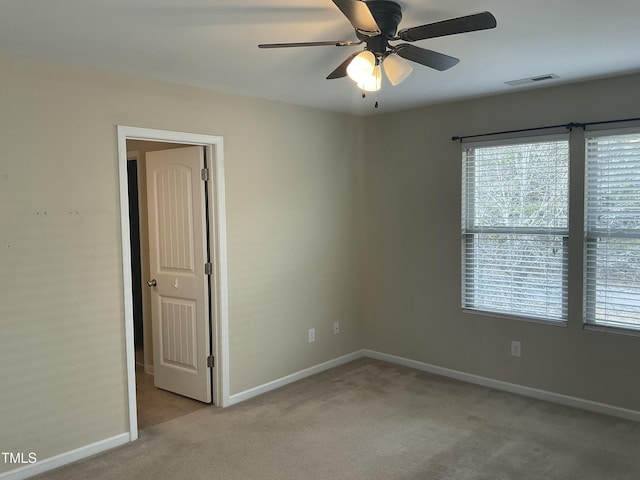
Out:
{"x": 208, "y": 268}
{"x": 211, "y": 361}
{"x": 204, "y": 174}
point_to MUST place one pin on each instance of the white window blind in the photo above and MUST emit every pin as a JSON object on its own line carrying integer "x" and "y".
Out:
{"x": 515, "y": 228}
{"x": 612, "y": 218}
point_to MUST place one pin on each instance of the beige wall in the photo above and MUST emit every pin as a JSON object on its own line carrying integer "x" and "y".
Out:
{"x": 412, "y": 301}
{"x": 292, "y": 220}
{"x": 330, "y": 217}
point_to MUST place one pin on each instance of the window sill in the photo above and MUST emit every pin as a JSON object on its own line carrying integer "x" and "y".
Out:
{"x": 615, "y": 330}
{"x": 553, "y": 323}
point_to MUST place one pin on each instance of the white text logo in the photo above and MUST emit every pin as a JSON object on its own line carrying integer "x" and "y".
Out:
{"x": 19, "y": 457}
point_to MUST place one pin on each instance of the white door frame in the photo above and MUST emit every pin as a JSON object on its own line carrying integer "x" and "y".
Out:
{"x": 217, "y": 245}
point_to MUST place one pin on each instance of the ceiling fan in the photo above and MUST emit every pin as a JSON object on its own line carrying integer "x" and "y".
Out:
{"x": 376, "y": 24}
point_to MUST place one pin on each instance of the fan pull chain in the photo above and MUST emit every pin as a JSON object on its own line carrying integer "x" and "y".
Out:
{"x": 378, "y": 72}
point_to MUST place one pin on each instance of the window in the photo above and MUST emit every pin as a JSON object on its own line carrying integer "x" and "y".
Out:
{"x": 515, "y": 228}
{"x": 612, "y": 221}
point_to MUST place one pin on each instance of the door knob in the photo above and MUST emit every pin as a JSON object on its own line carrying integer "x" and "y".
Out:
{"x": 152, "y": 283}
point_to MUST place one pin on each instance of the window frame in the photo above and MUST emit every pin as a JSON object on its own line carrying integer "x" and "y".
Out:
{"x": 590, "y": 236}
{"x": 470, "y": 231}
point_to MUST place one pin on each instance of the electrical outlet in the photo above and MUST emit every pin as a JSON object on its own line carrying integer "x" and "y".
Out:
{"x": 312, "y": 335}
{"x": 516, "y": 348}
{"x": 336, "y": 328}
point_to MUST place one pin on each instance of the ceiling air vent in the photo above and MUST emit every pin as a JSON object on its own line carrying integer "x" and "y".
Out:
{"x": 532, "y": 80}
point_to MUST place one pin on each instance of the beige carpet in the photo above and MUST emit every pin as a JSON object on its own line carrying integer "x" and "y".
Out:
{"x": 373, "y": 420}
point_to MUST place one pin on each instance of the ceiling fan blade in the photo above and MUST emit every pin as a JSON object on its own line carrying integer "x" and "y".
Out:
{"x": 336, "y": 43}
{"x": 341, "y": 71}
{"x": 469, "y": 23}
{"x": 425, "y": 57}
{"x": 359, "y": 15}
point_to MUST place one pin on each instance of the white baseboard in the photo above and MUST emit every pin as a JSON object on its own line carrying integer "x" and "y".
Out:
{"x": 281, "y": 382}
{"x": 56, "y": 461}
{"x": 539, "y": 394}
{"x": 509, "y": 387}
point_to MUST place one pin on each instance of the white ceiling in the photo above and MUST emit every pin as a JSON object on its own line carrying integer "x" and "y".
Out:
{"x": 213, "y": 44}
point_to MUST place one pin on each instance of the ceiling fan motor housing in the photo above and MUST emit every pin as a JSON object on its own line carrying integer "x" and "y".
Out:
{"x": 387, "y": 15}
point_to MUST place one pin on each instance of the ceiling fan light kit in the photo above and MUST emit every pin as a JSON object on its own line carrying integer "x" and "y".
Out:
{"x": 362, "y": 66}
{"x": 396, "y": 68}
{"x": 373, "y": 82}
{"x": 365, "y": 71}
{"x": 376, "y": 24}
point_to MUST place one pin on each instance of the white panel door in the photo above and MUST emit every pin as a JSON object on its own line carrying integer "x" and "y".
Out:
{"x": 179, "y": 286}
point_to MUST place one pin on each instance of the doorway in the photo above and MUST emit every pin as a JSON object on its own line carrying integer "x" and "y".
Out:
{"x": 154, "y": 405}
{"x": 134, "y": 273}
